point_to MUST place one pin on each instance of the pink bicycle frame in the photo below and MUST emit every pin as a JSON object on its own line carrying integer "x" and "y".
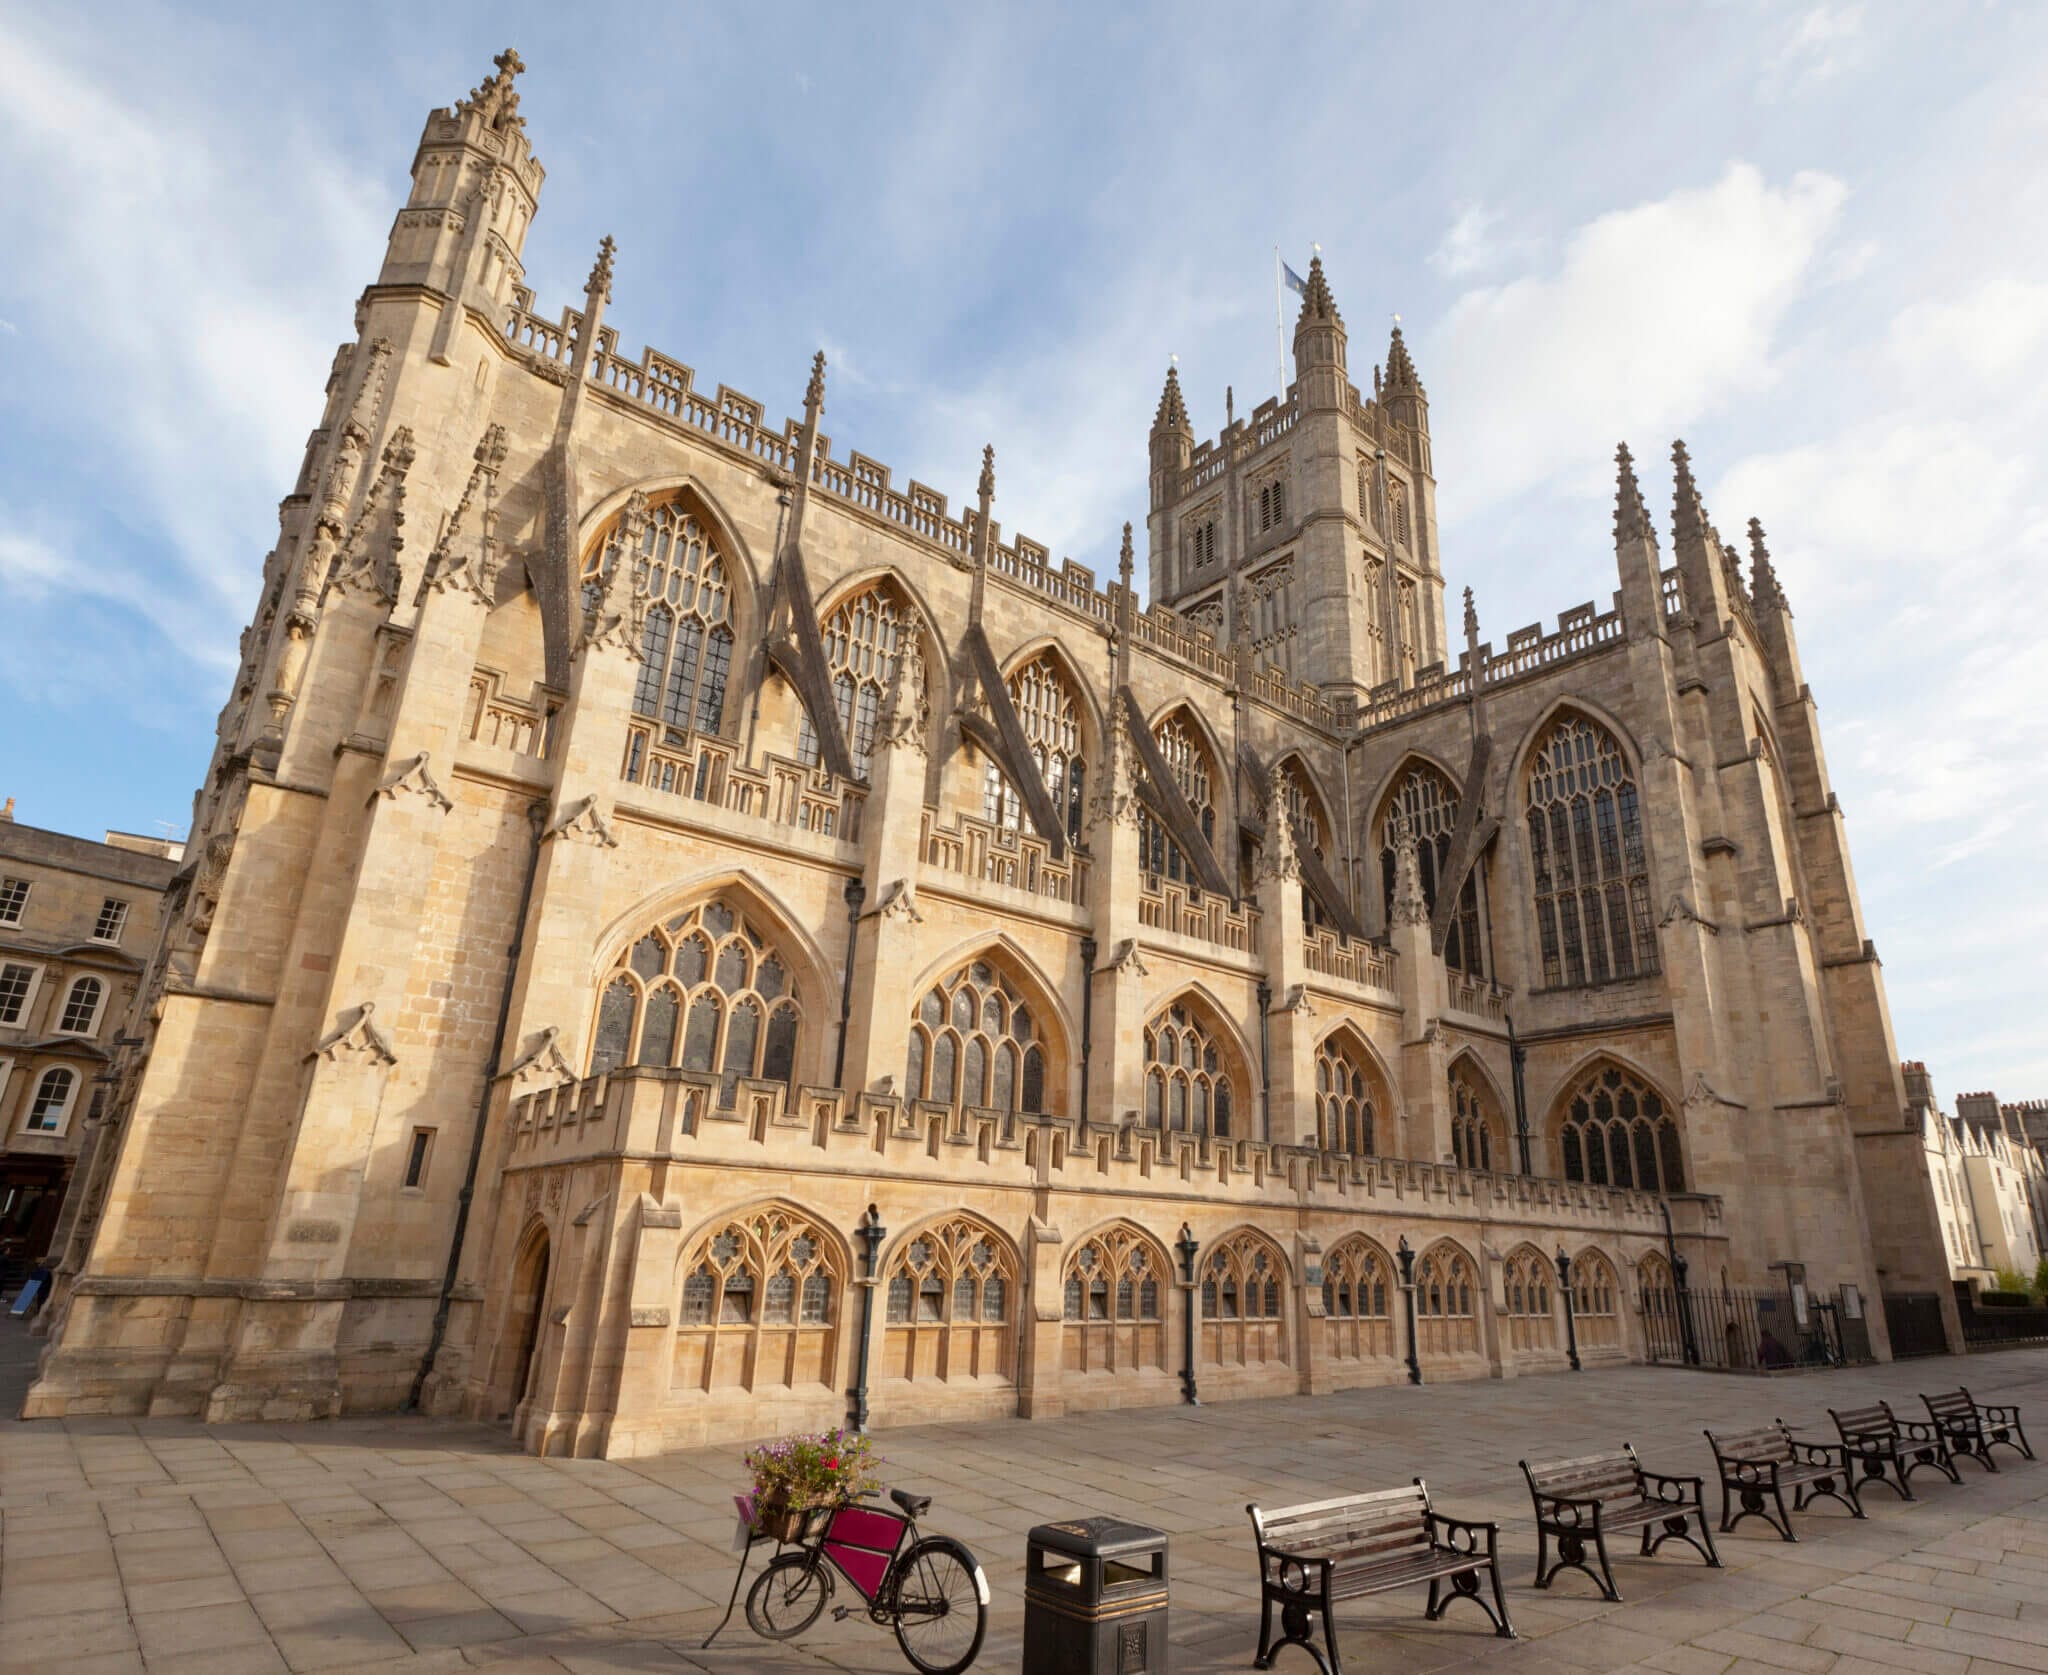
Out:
{"x": 861, "y": 1542}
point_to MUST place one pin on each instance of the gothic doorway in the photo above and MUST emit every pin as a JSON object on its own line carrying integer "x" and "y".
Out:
{"x": 522, "y": 1323}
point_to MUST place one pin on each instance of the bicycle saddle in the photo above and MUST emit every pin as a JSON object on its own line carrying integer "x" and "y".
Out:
{"x": 914, "y": 1506}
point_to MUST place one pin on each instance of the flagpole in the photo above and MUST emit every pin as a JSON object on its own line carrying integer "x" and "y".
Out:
{"x": 1279, "y": 330}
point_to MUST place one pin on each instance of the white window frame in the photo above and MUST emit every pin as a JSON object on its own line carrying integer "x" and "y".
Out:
{"x": 120, "y": 921}
{"x": 92, "y": 1027}
{"x": 63, "y": 1114}
{"x": 28, "y": 1001}
{"x": 19, "y": 908}
{"x": 6, "y": 1076}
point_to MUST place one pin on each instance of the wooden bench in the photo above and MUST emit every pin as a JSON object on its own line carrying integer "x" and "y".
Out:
{"x": 1602, "y": 1494}
{"x": 1312, "y": 1555}
{"x": 1971, "y": 1426}
{"x": 1770, "y": 1460}
{"x": 1877, "y": 1439}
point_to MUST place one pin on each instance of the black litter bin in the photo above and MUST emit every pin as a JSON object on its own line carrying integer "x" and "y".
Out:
{"x": 1095, "y": 1599}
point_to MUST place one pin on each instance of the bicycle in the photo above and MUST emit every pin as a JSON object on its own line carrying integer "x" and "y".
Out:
{"x": 931, "y": 1591}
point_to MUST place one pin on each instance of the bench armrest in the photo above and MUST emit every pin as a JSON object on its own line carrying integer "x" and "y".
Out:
{"x": 2004, "y": 1413}
{"x": 1819, "y": 1454}
{"x": 1294, "y": 1573}
{"x": 1655, "y": 1483}
{"x": 1750, "y": 1473}
{"x": 1585, "y": 1512}
{"x": 1919, "y": 1430}
{"x": 1464, "y": 1535}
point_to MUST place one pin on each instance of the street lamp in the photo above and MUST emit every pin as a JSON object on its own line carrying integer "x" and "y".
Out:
{"x": 870, "y": 1232}
{"x": 1571, "y": 1315}
{"x": 1407, "y": 1259}
{"x": 1187, "y": 1245}
{"x": 1680, "y": 1297}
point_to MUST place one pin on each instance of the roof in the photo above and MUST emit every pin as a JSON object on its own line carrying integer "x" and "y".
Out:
{"x": 60, "y": 851}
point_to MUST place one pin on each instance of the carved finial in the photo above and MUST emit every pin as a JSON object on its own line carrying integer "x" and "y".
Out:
{"x": 1688, "y": 514}
{"x": 497, "y": 100}
{"x": 1400, "y": 369}
{"x": 902, "y": 721}
{"x": 490, "y": 449}
{"x": 1471, "y": 621}
{"x": 399, "y": 452}
{"x": 1631, "y": 516}
{"x": 633, "y": 521}
{"x": 1173, "y": 411}
{"x": 986, "y": 488}
{"x": 814, "y": 392}
{"x": 600, "y": 282}
{"x": 1316, "y": 301}
{"x": 1280, "y": 854}
{"x": 1763, "y": 576}
{"x": 1115, "y": 798}
{"x": 1731, "y": 567}
{"x": 1410, "y": 906}
{"x": 1126, "y": 560}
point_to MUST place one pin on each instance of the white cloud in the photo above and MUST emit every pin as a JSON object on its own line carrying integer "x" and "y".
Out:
{"x": 1467, "y": 246}
{"x": 1821, "y": 43}
{"x": 1656, "y": 316}
{"x": 1991, "y": 335}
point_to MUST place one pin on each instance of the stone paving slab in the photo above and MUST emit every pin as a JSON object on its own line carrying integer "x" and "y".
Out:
{"x": 416, "y": 1547}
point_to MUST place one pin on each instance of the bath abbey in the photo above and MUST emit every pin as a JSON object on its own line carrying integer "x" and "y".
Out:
{"x": 685, "y": 935}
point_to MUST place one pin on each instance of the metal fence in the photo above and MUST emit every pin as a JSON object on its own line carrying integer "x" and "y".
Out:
{"x": 1988, "y": 1327}
{"x": 1736, "y": 1329}
{"x": 1913, "y": 1321}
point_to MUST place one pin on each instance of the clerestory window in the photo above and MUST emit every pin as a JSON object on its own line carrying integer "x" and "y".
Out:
{"x": 1593, "y": 919}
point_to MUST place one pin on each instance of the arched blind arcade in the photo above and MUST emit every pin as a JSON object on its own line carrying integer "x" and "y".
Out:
{"x": 1593, "y": 919}
{"x": 1431, "y": 805}
{"x": 686, "y": 642}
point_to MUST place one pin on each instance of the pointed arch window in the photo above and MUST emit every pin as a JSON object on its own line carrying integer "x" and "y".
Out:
{"x": 951, "y": 1304}
{"x": 704, "y": 990}
{"x": 1051, "y": 718}
{"x": 757, "y": 1308}
{"x": 1617, "y": 1131}
{"x": 1430, "y": 804}
{"x": 686, "y": 640}
{"x": 864, "y": 635}
{"x": 1311, "y": 831}
{"x": 1345, "y": 1118}
{"x": 1244, "y": 1297}
{"x": 1476, "y": 1138}
{"x": 1180, "y": 743}
{"x": 975, "y": 1041}
{"x": 1189, "y": 1085}
{"x": 1593, "y": 919}
{"x": 1359, "y": 1292}
{"x": 1113, "y": 1301}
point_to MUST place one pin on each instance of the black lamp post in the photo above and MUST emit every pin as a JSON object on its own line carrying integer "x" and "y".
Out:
{"x": 1187, "y": 1246}
{"x": 1571, "y": 1314}
{"x": 1680, "y": 1297}
{"x": 870, "y": 1232}
{"x": 1407, "y": 1260}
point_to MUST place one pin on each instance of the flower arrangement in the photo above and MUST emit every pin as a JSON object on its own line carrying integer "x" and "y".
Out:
{"x": 793, "y": 1474}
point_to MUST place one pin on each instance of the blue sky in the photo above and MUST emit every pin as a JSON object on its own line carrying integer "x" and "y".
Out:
{"x": 1809, "y": 239}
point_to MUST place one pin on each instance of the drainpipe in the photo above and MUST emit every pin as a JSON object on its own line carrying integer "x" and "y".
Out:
{"x": 1405, "y": 1253}
{"x": 1518, "y": 1055}
{"x": 1187, "y": 1245}
{"x": 856, "y": 893}
{"x": 1680, "y": 1295}
{"x": 1265, "y": 1064}
{"x": 1088, "y": 953}
{"x": 536, "y": 818}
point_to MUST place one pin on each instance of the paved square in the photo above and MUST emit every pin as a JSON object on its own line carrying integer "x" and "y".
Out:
{"x": 419, "y": 1548}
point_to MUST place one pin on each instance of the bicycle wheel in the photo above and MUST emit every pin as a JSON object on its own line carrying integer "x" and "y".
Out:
{"x": 787, "y": 1597}
{"x": 941, "y": 1606}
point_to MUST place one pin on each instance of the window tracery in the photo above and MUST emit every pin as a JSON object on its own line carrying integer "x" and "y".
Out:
{"x": 1244, "y": 1290}
{"x": 974, "y": 1041}
{"x": 1526, "y": 1279}
{"x": 951, "y": 1304}
{"x": 1476, "y": 1139}
{"x": 1181, "y": 744}
{"x": 1358, "y": 1295}
{"x": 1595, "y": 1300}
{"x": 1618, "y": 1132}
{"x": 1430, "y": 804}
{"x": 1345, "y": 1117}
{"x": 1189, "y": 1085}
{"x": 1051, "y": 718}
{"x": 687, "y": 637}
{"x": 1113, "y": 1301}
{"x": 1445, "y": 1287}
{"x": 704, "y": 990}
{"x": 759, "y": 1304}
{"x": 1592, "y": 877}
{"x": 863, "y": 636}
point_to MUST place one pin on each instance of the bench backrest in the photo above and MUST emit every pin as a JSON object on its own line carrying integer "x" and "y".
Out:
{"x": 1383, "y": 1524}
{"x": 1591, "y": 1477}
{"x": 1764, "y": 1444}
{"x": 1865, "y": 1421}
{"x": 1951, "y": 1404}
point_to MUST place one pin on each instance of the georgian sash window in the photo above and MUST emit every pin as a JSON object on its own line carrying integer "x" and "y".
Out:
{"x": 1431, "y": 806}
{"x": 1046, "y": 706}
{"x": 758, "y": 1304}
{"x": 975, "y": 1042}
{"x": 1593, "y": 919}
{"x": 81, "y": 1007}
{"x": 1180, "y": 743}
{"x": 1618, "y": 1132}
{"x": 1344, "y": 1103}
{"x": 686, "y": 642}
{"x": 1188, "y": 1081}
{"x": 864, "y": 635}
{"x": 704, "y": 990}
{"x": 52, "y": 1102}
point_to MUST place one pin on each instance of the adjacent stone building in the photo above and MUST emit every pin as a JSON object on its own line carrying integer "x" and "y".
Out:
{"x": 685, "y": 927}
{"x": 78, "y": 922}
{"x": 1990, "y": 1178}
